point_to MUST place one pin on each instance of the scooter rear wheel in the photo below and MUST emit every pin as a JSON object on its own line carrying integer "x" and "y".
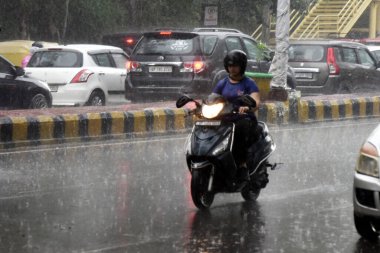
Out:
{"x": 202, "y": 198}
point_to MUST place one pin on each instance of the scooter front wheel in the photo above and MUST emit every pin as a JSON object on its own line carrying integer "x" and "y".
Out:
{"x": 202, "y": 198}
{"x": 250, "y": 193}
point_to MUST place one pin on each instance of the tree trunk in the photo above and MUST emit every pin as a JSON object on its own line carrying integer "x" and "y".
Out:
{"x": 65, "y": 21}
{"x": 133, "y": 13}
{"x": 266, "y": 15}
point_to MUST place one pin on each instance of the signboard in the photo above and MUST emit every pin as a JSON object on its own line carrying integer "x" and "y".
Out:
{"x": 211, "y": 15}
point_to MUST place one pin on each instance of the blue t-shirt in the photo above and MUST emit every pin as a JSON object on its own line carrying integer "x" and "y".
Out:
{"x": 231, "y": 91}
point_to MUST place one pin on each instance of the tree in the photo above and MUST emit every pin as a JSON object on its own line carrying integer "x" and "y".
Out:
{"x": 87, "y": 20}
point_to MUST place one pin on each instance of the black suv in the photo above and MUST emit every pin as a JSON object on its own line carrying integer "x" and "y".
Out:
{"x": 167, "y": 63}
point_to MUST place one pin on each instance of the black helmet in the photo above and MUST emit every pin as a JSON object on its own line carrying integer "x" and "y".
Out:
{"x": 236, "y": 58}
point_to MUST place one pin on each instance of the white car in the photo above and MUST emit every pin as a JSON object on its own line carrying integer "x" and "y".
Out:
{"x": 375, "y": 50}
{"x": 366, "y": 195}
{"x": 81, "y": 74}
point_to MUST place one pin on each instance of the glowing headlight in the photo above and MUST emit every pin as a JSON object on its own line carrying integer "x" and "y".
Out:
{"x": 222, "y": 146}
{"x": 368, "y": 161}
{"x": 211, "y": 111}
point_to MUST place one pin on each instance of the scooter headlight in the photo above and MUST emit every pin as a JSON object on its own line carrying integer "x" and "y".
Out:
{"x": 211, "y": 111}
{"x": 221, "y": 147}
{"x": 368, "y": 161}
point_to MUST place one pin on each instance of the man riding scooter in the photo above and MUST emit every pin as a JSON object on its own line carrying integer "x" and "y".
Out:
{"x": 231, "y": 88}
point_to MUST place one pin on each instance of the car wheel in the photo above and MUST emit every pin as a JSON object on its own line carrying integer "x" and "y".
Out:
{"x": 366, "y": 228}
{"x": 97, "y": 98}
{"x": 38, "y": 101}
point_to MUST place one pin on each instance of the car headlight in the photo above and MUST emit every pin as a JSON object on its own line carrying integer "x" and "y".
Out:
{"x": 211, "y": 111}
{"x": 368, "y": 161}
{"x": 221, "y": 147}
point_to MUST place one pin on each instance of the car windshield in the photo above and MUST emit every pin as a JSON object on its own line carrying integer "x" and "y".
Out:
{"x": 167, "y": 44}
{"x": 56, "y": 59}
{"x": 306, "y": 53}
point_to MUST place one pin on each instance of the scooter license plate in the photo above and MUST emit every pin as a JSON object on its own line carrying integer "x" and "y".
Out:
{"x": 208, "y": 123}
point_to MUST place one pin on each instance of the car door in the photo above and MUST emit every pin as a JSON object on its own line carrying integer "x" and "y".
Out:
{"x": 111, "y": 74}
{"x": 351, "y": 73}
{"x": 371, "y": 74}
{"x": 256, "y": 60}
{"x": 120, "y": 61}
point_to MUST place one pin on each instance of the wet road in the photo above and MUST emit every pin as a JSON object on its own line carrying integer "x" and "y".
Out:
{"x": 134, "y": 197}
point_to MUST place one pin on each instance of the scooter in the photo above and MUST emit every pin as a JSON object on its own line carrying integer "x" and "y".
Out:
{"x": 209, "y": 152}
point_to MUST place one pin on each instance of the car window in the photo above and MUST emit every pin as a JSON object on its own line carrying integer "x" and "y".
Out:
{"x": 56, "y": 59}
{"x": 377, "y": 54}
{"x": 102, "y": 60}
{"x": 4, "y": 67}
{"x": 366, "y": 59}
{"x": 349, "y": 55}
{"x": 120, "y": 60}
{"x": 252, "y": 50}
{"x": 233, "y": 43}
{"x": 306, "y": 53}
{"x": 166, "y": 45}
{"x": 208, "y": 44}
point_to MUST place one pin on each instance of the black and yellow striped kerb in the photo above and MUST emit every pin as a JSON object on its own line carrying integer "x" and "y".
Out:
{"x": 327, "y": 110}
{"x": 40, "y": 130}
{"x": 275, "y": 113}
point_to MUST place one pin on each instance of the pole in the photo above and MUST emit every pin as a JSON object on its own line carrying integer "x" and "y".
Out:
{"x": 279, "y": 64}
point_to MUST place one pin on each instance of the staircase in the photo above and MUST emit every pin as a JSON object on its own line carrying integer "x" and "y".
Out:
{"x": 295, "y": 19}
{"x": 330, "y": 18}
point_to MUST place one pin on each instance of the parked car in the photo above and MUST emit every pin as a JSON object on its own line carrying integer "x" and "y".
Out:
{"x": 124, "y": 40}
{"x": 19, "y": 92}
{"x": 367, "y": 187}
{"x": 328, "y": 67}
{"x": 81, "y": 74}
{"x": 167, "y": 63}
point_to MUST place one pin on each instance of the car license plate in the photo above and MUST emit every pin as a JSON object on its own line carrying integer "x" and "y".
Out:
{"x": 161, "y": 69}
{"x": 303, "y": 75}
{"x": 208, "y": 123}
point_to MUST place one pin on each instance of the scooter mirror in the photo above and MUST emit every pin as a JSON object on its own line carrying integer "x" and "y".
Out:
{"x": 183, "y": 100}
{"x": 248, "y": 100}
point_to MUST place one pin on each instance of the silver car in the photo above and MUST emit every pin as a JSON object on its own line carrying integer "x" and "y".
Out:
{"x": 366, "y": 195}
{"x": 333, "y": 66}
